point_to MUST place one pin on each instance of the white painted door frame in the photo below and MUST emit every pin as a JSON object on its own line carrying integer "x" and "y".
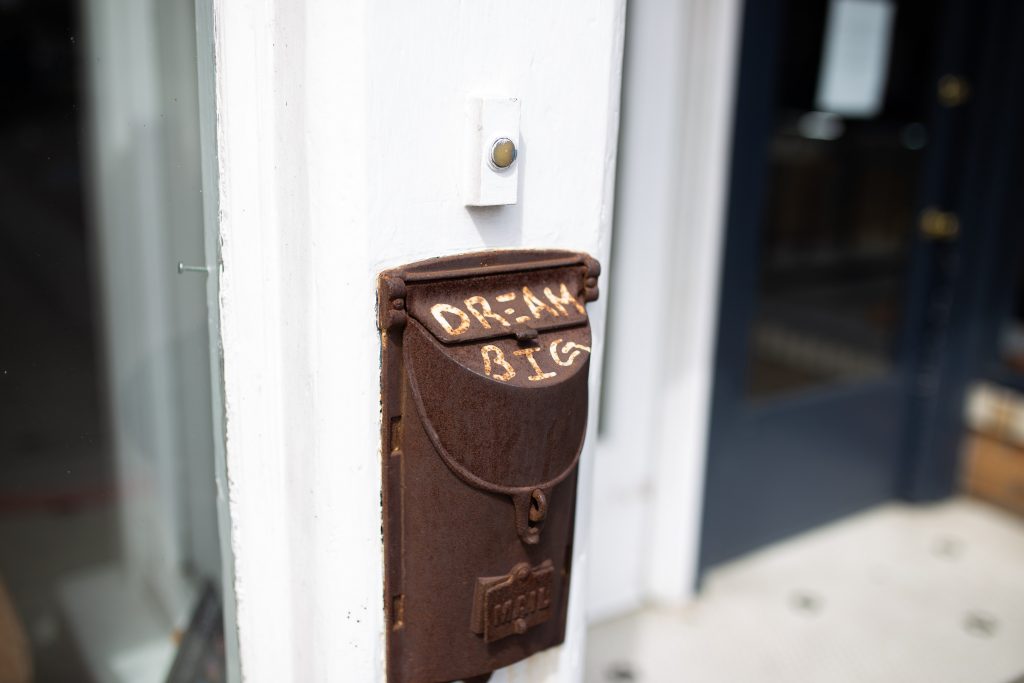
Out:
{"x": 337, "y": 129}
{"x": 681, "y": 60}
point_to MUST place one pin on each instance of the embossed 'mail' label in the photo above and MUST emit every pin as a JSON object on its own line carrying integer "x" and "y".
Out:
{"x": 510, "y": 605}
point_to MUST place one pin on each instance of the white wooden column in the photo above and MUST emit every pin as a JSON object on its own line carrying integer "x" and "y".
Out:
{"x": 339, "y": 128}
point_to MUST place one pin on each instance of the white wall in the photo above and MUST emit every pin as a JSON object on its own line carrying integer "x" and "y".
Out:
{"x": 676, "y": 128}
{"x": 338, "y": 131}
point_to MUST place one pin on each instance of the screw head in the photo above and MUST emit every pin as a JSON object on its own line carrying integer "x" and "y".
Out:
{"x": 503, "y": 154}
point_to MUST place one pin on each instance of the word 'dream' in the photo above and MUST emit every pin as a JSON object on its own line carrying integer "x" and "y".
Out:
{"x": 477, "y": 310}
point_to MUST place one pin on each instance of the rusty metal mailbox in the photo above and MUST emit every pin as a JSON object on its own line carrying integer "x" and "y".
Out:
{"x": 485, "y": 365}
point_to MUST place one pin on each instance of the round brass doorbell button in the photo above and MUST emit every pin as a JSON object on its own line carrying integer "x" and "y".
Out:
{"x": 503, "y": 154}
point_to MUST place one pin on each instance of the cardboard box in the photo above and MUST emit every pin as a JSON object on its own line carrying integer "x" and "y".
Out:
{"x": 994, "y": 471}
{"x": 996, "y": 411}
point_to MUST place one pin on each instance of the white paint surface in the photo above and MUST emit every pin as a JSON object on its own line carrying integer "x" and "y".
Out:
{"x": 672, "y": 186}
{"x": 899, "y": 593}
{"x": 338, "y": 134}
{"x": 703, "y": 190}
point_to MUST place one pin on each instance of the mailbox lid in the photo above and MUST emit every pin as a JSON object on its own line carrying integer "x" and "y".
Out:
{"x": 513, "y": 304}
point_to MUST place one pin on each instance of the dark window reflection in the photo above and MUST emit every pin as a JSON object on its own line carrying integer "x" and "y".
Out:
{"x": 839, "y": 213}
{"x": 57, "y": 498}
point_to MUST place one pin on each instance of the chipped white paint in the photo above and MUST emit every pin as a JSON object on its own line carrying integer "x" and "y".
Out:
{"x": 339, "y": 127}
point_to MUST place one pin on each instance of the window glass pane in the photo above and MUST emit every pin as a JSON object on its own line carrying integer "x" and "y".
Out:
{"x": 839, "y": 211}
{"x": 110, "y": 564}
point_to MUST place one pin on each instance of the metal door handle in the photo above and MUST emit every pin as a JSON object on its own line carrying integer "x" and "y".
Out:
{"x": 939, "y": 225}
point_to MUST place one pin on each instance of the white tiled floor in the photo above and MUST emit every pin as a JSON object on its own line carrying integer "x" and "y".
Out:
{"x": 897, "y": 594}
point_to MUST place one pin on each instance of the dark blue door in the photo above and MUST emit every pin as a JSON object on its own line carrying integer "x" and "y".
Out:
{"x": 855, "y": 126}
